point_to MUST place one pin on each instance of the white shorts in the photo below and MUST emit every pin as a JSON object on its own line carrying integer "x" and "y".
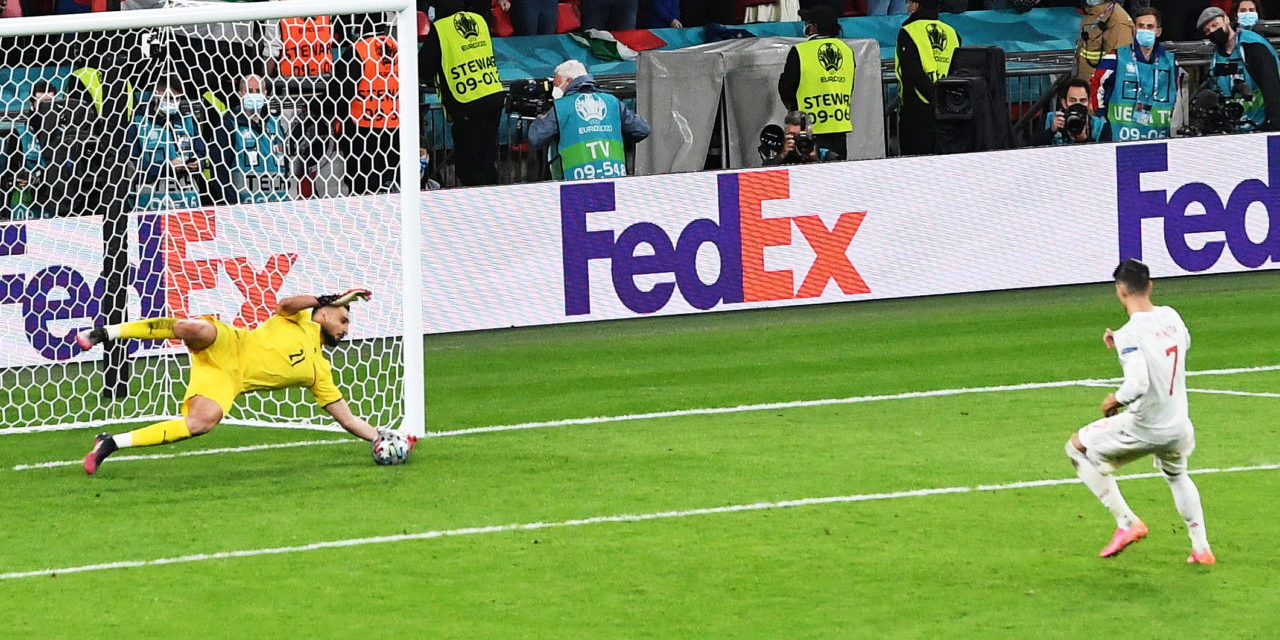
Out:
{"x": 1111, "y": 443}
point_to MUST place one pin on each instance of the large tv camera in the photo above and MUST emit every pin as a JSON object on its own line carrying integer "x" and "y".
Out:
{"x": 529, "y": 98}
{"x": 1213, "y": 112}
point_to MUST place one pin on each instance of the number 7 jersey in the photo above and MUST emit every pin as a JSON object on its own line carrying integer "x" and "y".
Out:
{"x": 1152, "y": 347}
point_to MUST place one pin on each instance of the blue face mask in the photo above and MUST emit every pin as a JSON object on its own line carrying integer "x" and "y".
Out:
{"x": 253, "y": 102}
{"x": 1145, "y": 37}
{"x": 1247, "y": 19}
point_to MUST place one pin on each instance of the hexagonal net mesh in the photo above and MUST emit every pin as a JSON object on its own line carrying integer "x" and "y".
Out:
{"x": 203, "y": 169}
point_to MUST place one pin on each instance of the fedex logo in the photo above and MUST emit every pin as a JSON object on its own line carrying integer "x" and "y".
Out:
{"x": 163, "y": 277}
{"x": 1135, "y": 205}
{"x": 740, "y": 235}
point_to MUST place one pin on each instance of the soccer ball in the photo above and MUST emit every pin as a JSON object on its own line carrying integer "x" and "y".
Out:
{"x": 391, "y": 447}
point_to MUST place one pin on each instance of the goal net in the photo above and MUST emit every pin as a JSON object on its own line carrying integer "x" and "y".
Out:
{"x": 206, "y": 160}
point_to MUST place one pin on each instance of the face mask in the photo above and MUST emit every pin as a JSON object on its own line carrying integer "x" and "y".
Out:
{"x": 253, "y": 102}
{"x": 557, "y": 92}
{"x": 1219, "y": 37}
{"x": 1093, "y": 3}
{"x": 1247, "y": 18}
{"x": 1145, "y": 37}
{"x": 168, "y": 105}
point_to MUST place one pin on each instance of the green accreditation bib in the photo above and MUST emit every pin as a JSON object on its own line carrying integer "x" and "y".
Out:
{"x": 936, "y": 42}
{"x": 470, "y": 70}
{"x": 826, "y": 84}
{"x": 591, "y": 145}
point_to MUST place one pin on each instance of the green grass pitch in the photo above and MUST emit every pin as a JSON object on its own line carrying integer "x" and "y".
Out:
{"x": 1008, "y": 562}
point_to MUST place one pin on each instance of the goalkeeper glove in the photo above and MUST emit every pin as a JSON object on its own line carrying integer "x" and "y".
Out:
{"x": 343, "y": 300}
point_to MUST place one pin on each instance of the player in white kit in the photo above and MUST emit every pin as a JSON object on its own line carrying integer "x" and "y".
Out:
{"x": 1152, "y": 347}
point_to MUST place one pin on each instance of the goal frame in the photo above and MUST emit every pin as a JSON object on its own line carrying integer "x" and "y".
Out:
{"x": 412, "y": 397}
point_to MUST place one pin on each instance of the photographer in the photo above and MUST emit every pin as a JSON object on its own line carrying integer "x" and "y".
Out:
{"x": 1073, "y": 124}
{"x": 586, "y": 129}
{"x": 793, "y": 143}
{"x": 1245, "y": 69}
{"x": 1140, "y": 84}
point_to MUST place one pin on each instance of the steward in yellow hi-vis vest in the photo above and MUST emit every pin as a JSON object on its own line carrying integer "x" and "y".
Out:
{"x": 466, "y": 52}
{"x": 818, "y": 79}
{"x": 923, "y": 57}
{"x": 457, "y": 58}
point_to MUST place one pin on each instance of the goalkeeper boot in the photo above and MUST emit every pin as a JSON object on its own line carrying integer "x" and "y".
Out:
{"x": 1202, "y": 557}
{"x": 103, "y": 446}
{"x": 90, "y": 337}
{"x": 1124, "y": 538}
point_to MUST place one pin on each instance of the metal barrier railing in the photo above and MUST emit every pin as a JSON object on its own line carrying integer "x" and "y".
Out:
{"x": 1033, "y": 79}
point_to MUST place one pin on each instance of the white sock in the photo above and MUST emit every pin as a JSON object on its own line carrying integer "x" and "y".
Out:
{"x": 1103, "y": 485}
{"x": 113, "y": 331}
{"x": 125, "y": 440}
{"x": 1187, "y": 498}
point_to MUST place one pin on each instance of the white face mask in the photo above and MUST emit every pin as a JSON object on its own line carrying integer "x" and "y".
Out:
{"x": 169, "y": 104}
{"x": 557, "y": 92}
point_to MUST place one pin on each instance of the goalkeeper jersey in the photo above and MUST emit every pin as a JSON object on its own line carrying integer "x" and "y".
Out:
{"x": 285, "y": 351}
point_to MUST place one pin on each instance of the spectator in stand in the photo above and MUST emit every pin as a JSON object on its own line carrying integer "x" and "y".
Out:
{"x": 660, "y": 14}
{"x": 886, "y": 7}
{"x": 1245, "y": 14}
{"x": 532, "y": 17}
{"x": 10, "y": 9}
{"x": 169, "y": 151}
{"x": 1105, "y": 27}
{"x": 697, "y": 13}
{"x": 249, "y": 149}
{"x": 609, "y": 15}
{"x": 1180, "y": 18}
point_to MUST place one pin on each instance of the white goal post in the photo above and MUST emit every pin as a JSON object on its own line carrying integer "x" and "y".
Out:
{"x": 289, "y": 165}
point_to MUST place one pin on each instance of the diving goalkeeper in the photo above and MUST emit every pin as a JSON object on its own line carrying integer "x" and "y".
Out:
{"x": 227, "y": 361}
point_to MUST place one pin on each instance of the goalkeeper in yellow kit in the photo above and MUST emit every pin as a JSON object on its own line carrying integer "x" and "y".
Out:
{"x": 227, "y": 361}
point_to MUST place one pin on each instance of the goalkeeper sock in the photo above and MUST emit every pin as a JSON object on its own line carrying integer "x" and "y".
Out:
{"x": 151, "y": 329}
{"x": 158, "y": 433}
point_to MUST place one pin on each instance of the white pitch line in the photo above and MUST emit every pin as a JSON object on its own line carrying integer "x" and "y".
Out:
{"x": 1086, "y": 382}
{"x": 1231, "y": 392}
{"x": 183, "y": 454}
{"x": 534, "y": 526}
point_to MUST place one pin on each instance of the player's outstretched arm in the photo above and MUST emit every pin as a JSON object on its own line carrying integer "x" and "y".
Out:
{"x": 294, "y": 304}
{"x": 354, "y": 425}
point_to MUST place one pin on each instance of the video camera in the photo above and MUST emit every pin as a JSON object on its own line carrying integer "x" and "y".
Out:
{"x": 529, "y": 98}
{"x": 1212, "y": 112}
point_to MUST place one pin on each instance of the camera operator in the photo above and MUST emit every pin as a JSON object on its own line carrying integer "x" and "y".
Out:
{"x": 585, "y": 129}
{"x": 1073, "y": 124}
{"x": 1245, "y": 69}
{"x": 1140, "y": 84}
{"x": 793, "y": 143}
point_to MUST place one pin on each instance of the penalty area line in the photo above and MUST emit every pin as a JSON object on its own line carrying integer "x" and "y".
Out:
{"x": 623, "y": 518}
